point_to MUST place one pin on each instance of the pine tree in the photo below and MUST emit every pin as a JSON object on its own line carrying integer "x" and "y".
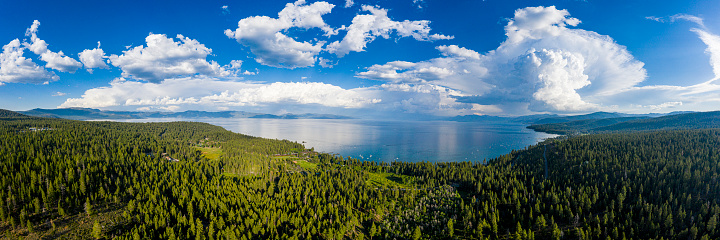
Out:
{"x": 96, "y": 230}
{"x": 417, "y": 233}
{"x": 88, "y": 207}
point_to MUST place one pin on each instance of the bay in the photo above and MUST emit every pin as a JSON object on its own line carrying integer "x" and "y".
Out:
{"x": 387, "y": 141}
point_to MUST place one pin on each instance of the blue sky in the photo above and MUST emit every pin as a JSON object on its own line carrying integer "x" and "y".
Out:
{"x": 362, "y": 58}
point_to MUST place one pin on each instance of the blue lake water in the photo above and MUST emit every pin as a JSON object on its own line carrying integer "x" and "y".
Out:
{"x": 414, "y": 141}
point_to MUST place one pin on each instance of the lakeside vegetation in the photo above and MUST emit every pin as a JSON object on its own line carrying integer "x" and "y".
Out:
{"x": 107, "y": 180}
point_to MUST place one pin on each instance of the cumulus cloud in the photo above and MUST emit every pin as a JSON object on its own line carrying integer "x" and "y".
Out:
{"x": 457, "y": 52}
{"x": 559, "y": 74}
{"x": 164, "y": 58}
{"x": 54, "y": 60}
{"x": 213, "y": 92}
{"x": 366, "y": 28}
{"x": 422, "y": 98}
{"x": 93, "y": 58}
{"x": 301, "y": 93}
{"x": 14, "y": 68}
{"x": 349, "y": 3}
{"x": 388, "y": 71}
{"x": 267, "y": 41}
{"x": 543, "y": 65}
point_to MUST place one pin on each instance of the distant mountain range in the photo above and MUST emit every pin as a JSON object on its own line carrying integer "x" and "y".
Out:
{"x": 672, "y": 121}
{"x": 554, "y": 118}
{"x": 550, "y": 123}
{"x": 94, "y": 114}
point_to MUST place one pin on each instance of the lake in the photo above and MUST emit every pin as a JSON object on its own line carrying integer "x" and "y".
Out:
{"x": 387, "y": 141}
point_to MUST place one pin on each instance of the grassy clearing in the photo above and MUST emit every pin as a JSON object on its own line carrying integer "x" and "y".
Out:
{"x": 210, "y": 152}
{"x": 389, "y": 180}
{"x": 306, "y": 165}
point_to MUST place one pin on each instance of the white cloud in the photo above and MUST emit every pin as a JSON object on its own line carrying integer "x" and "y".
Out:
{"x": 164, "y": 58}
{"x": 388, "y": 71}
{"x": 349, "y": 3}
{"x": 687, "y": 17}
{"x": 457, "y": 52}
{"x": 236, "y": 64}
{"x": 654, "y": 18}
{"x": 558, "y": 75}
{"x": 698, "y": 97}
{"x": 713, "y": 48}
{"x": 94, "y": 58}
{"x": 193, "y": 91}
{"x": 674, "y": 18}
{"x": 420, "y": 98}
{"x": 419, "y": 3}
{"x": 665, "y": 105}
{"x": 54, "y": 60}
{"x": 266, "y": 40}
{"x": 367, "y": 27}
{"x": 59, "y": 94}
{"x": 300, "y": 93}
{"x": 326, "y": 63}
{"x": 14, "y": 68}
{"x": 543, "y": 65}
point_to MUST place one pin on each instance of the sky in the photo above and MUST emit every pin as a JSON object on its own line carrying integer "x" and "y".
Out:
{"x": 368, "y": 59}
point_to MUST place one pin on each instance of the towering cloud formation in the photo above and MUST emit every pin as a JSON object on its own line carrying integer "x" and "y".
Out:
{"x": 543, "y": 65}
{"x": 164, "y": 58}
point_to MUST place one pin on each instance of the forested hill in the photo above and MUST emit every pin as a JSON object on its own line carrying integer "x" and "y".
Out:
{"x": 699, "y": 120}
{"x": 10, "y": 114}
{"x": 64, "y": 179}
{"x": 695, "y": 120}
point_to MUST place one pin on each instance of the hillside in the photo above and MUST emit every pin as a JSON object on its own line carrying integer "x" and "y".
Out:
{"x": 579, "y": 126}
{"x": 694, "y": 120}
{"x": 596, "y": 115}
{"x": 10, "y": 114}
{"x": 179, "y": 180}
{"x": 698, "y": 120}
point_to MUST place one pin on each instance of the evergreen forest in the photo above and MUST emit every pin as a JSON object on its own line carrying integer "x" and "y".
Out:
{"x": 66, "y": 179}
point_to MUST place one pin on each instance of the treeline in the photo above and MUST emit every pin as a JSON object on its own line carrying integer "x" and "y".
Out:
{"x": 685, "y": 121}
{"x": 651, "y": 185}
